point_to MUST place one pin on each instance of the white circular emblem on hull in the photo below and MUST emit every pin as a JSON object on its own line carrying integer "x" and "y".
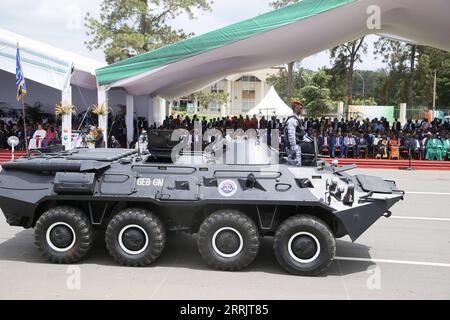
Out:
{"x": 228, "y": 188}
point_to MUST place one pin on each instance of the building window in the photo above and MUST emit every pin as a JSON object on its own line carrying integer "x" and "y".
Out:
{"x": 218, "y": 87}
{"x": 248, "y": 104}
{"x": 248, "y": 79}
{"x": 248, "y": 92}
{"x": 214, "y": 107}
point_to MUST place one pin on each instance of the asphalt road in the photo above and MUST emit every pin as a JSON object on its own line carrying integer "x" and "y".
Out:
{"x": 405, "y": 257}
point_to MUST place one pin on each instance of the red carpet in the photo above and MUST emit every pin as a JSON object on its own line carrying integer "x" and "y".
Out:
{"x": 394, "y": 164}
{"x": 6, "y": 156}
{"x": 361, "y": 163}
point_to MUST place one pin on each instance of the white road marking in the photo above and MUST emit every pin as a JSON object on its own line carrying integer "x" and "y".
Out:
{"x": 420, "y": 218}
{"x": 417, "y": 263}
{"x": 347, "y": 295}
{"x": 429, "y": 193}
{"x": 161, "y": 283}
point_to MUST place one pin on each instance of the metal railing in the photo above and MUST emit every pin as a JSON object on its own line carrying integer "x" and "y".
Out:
{"x": 419, "y": 113}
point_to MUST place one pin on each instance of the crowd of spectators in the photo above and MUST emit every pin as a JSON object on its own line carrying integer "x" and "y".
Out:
{"x": 38, "y": 135}
{"x": 352, "y": 138}
{"x": 380, "y": 139}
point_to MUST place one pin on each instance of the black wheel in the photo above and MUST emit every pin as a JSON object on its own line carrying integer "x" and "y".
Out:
{"x": 64, "y": 235}
{"x": 135, "y": 237}
{"x": 304, "y": 245}
{"x": 228, "y": 240}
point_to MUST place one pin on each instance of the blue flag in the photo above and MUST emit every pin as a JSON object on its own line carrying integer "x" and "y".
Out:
{"x": 21, "y": 88}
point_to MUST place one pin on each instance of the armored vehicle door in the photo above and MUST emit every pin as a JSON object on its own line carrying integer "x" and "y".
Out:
{"x": 179, "y": 188}
{"x": 117, "y": 184}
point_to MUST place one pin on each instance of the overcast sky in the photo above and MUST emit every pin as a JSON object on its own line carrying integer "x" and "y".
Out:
{"x": 61, "y": 23}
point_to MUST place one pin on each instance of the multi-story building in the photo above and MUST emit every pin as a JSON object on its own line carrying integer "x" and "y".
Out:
{"x": 245, "y": 91}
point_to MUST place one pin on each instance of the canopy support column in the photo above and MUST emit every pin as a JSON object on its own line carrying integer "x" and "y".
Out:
{"x": 102, "y": 98}
{"x": 129, "y": 119}
{"x": 169, "y": 107}
{"x": 402, "y": 113}
{"x": 156, "y": 111}
{"x": 66, "y": 138}
{"x": 340, "y": 114}
{"x": 227, "y": 106}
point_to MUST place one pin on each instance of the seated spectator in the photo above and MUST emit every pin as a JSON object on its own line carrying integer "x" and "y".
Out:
{"x": 376, "y": 141}
{"x": 425, "y": 137}
{"x": 407, "y": 146}
{"x": 435, "y": 149}
{"x": 50, "y": 138}
{"x": 115, "y": 144}
{"x": 446, "y": 144}
{"x": 382, "y": 148}
{"x": 394, "y": 148}
{"x": 419, "y": 147}
{"x": 324, "y": 144}
{"x": 38, "y": 137}
{"x": 337, "y": 144}
{"x": 362, "y": 145}
{"x": 350, "y": 145}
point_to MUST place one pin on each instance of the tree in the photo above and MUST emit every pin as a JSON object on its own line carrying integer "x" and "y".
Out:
{"x": 301, "y": 77}
{"x": 411, "y": 73}
{"x": 345, "y": 57}
{"x": 290, "y": 74}
{"x": 130, "y": 27}
{"x": 430, "y": 60}
{"x": 317, "y": 96}
{"x": 401, "y": 58}
{"x": 204, "y": 98}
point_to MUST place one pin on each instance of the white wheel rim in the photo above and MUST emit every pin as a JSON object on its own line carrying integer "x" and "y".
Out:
{"x": 50, "y": 243}
{"x": 220, "y": 253}
{"x": 128, "y": 251}
{"x": 292, "y": 254}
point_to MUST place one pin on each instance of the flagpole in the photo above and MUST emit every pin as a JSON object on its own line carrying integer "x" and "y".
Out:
{"x": 22, "y": 97}
{"x": 24, "y": 123}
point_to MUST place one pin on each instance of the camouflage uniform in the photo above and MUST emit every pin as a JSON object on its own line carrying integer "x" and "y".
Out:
{"x": 294, "y": 132}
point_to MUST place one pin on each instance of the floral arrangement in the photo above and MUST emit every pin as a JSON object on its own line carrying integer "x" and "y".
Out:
{"x": 64, "y": 109}
{"x": 100, "y": 109}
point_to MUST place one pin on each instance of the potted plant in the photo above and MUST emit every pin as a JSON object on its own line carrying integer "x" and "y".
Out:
{"x": 64, "y": 109}
{"x": 100, "y": 109}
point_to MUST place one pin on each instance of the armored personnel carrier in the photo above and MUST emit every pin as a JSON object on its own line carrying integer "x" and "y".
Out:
{"x": 65, "y": 196}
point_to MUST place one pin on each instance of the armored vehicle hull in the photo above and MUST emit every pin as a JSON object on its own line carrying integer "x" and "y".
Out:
{"x": 66, "y": 196}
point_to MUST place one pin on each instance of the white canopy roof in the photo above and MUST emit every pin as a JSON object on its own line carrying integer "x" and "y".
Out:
{"x": 425, "y": 22}
{"x": 271, "y": 105}
{"x": 46, "y": 64}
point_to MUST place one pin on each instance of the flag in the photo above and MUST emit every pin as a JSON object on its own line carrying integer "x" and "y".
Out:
{"x": 21, "y": 88}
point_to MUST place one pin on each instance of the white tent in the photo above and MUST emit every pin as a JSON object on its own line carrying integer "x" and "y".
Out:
{"x": 271, "y": 105}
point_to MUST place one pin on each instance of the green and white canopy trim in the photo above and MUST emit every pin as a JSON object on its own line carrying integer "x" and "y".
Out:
{"x": 277, "y": 37}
